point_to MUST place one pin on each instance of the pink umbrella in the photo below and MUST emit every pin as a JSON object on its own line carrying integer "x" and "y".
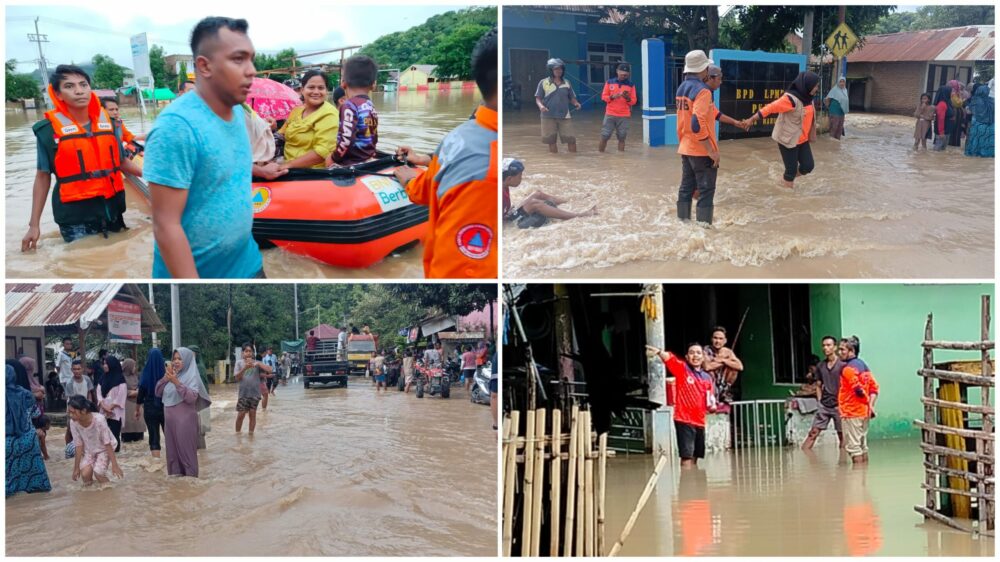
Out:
{"x": 272, "y": 99}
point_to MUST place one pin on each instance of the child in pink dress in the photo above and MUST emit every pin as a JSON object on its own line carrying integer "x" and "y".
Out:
{"x": 95, "y": 444}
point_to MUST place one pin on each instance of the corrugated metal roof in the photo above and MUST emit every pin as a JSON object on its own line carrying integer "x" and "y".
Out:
{"x": 64, "y": 304}
{"x": 970, "y": 43}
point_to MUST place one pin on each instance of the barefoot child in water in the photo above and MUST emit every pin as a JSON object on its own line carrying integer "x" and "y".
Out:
{"x": 95, "y": 444}
{"x": 248, "y": 374}
{"x": 42, "y": 425}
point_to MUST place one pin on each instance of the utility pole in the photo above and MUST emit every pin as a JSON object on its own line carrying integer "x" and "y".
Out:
{"x": 175, "y": 315}
{"x": 152, "y": 302}
{"x": 295, "y": 288}
{"x": 807, "y": 35}
{"x": 37, "y": 37}
{"x": 841, "y": 68}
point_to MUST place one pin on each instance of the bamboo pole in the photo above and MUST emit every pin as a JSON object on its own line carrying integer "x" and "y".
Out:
{"x": 529, "y": 484}
{"x": 954, "y": 472}
{"x": 588, "y": 508}
{"x": 650, "y": 485}
{"x": 510, "y": 474}
{"x": 602, "y": 480}
{"x": 960, "y": 345}
{"x": 931, "y": 514}
{"x": 538, "y": 475}
{"x": 957, "y": 492}
{"x": 574, "y": 436}
{"x": 556, "y": 490}
{"x": 939, "y": 450}
{"x": 971, "y": 408}
{"x": 930, "y": 499}
{"x": 954, "y": 431}
{"x": 984, "y": 448}
{"x": 954, "y": 376}
{"x": 582, "y": 441}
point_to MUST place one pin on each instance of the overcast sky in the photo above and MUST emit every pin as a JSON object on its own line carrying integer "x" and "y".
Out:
{"x": 77, "y": 33}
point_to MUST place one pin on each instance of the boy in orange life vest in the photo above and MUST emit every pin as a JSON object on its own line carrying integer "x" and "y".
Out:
{"x": 856, "y": 399}
{"x": 460, "y": 184}
{"x": 691, "y": 391}
{"x": 619, "y": 94}
{"x": 77, "y": 142}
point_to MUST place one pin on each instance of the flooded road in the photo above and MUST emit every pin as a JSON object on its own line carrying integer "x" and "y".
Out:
{"x": 895, "y": 212}
{"x": 783, "y": 502}
{"x": 333, "y": 472}
{"x": 419, "y": 119}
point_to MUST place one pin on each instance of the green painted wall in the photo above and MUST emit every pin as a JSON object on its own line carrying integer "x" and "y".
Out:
{"x": 889, "y": 320}
{"x": 824, "y": 313}
{"x": 755, "y": 348}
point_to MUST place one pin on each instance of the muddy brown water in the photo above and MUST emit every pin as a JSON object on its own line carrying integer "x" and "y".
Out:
{"x": 783, "y": 502}
{"x": 419, "y": 119}
{"x": 332, "y": 472}
{"x": 873, "y": 208}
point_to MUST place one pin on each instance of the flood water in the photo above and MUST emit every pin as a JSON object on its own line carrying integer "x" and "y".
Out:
{"x": 334, "y": 472}
{"x": 873, "y": 208}
{"x": 417, "y": 119}
{"x": 783, "y": 502}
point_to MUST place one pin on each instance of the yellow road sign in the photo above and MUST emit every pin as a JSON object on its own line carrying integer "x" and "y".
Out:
{"x": 841, "y": 41}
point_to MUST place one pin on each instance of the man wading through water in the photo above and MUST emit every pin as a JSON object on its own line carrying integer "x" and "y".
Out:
{"x": 553, "y": 97}
{"x": 78, "y": 143}
{"x": 828, "y": 373}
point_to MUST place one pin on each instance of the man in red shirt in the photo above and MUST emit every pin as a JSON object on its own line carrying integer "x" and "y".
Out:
{"x": 619, "y": 94}
{"x": 691, "y": 392}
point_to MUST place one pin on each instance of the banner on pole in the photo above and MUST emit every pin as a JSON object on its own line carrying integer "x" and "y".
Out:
{"x": 140, "y": 56}
{"x": 124, "y": 322}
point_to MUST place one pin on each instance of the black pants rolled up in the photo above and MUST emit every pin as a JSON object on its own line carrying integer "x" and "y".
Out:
{"x": 798, "y": 160}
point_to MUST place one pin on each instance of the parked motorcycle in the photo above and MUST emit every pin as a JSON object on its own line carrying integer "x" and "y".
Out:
{"x": 481, "y": 384}
{"x": 511, "y": 94}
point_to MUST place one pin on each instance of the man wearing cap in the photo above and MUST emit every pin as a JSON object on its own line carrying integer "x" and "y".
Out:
{"x": 553, "y": 97}
{"x": 619, "y": 94}
{"x": 699, "y": 150}
{"x": 537, "y": 208}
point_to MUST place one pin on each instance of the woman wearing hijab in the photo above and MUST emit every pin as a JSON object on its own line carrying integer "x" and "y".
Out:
{"x": 957, "y": 97}
{"x": 25, "y": 468}
{"x": 183, "y": 397}
{"x": 204, "y": 417}
{"x": 980, "y": 139}
{"x": 133, "y": 427}
{"x": 36, "y": 388}
{"x": 150, "y": 405}
{"x": 944, "y": 117}
{"x": 795, "y": 126}
{"x": 837, "y": 102}
{"x": 112, "y": 393}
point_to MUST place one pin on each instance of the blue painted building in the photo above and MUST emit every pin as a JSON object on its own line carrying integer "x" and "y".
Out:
{"x": 534, "y": 34}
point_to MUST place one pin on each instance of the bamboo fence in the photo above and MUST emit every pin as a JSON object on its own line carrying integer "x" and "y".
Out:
{"x": 958, "y": 456}
{"x": 554, "y": 484}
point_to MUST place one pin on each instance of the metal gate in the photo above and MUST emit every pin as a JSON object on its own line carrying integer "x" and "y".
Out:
{"x": 758, "y": 423}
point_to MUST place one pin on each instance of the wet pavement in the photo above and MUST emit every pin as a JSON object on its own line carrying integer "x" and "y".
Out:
{"x": 783, "y": 502}
{"x": 330, "y": 471}
{"x": 418, "y": 119}
{"x": 873, "y": 208}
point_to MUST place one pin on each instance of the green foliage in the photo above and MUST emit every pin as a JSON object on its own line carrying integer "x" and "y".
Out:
{"x": 419, "y": 45}
{"x": 163, "y": 76}
{"x": 281, "y": 59}
{"x": 690, "y": 27}
{"x": 765, "y": 27}
{"x": 264, "y": 314}
{"x": 107, "y": 73}
{"x": 936, "y": 17}
{"x": 19, "y": 86}
{"x": 453, "y": 54}
{"x": 182, "y": 75}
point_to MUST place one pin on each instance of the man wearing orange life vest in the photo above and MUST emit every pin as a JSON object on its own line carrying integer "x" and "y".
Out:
{"x": 856, "y": 399}
{"x": 77, "y": 142}
{"x": 460, "y": 184}
{"x": 111, "y": 106}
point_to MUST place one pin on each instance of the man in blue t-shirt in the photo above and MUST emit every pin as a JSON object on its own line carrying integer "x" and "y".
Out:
{"x": 198, "y": 164}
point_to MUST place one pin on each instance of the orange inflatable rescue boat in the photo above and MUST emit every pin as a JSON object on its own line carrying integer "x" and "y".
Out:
{"x": 348, "y": 217}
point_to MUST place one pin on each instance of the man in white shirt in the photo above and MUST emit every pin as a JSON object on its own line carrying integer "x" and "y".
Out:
{"x": 64, "y": 363}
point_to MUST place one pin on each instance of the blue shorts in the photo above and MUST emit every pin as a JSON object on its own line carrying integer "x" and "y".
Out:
{"x": 380, "y": 379}
{"x": 493, "y": 385}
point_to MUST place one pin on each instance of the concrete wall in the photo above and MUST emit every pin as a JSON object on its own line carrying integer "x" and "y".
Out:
{"x": 894, "y": 87}
{"x": 565, "y": 36}
{"x": 889, "y": 320}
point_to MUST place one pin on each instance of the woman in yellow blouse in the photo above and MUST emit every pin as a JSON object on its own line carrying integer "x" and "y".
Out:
{"x": 311, "y": 129}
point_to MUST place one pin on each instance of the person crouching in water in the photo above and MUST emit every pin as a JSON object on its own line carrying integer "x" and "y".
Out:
{"x": 795, "y": 127}
{"x": 537, "y": 208}
{"x": 95, "y": 444}
{"x": 691, "y": 391}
